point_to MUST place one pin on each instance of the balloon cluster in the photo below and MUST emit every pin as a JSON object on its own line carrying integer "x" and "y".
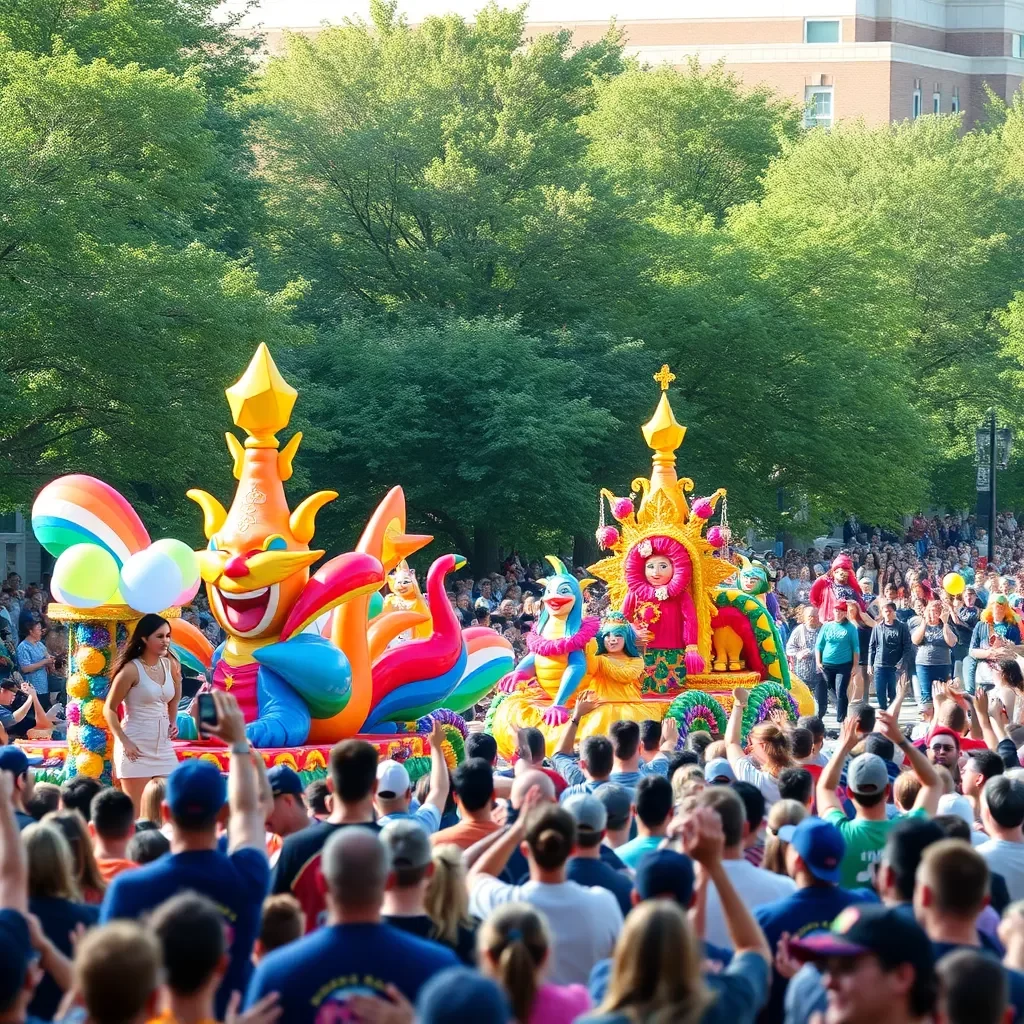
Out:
{"x": 104, "y": 554}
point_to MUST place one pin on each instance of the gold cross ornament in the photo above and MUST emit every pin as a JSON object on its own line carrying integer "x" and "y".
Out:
{"x": 664, "y": 377}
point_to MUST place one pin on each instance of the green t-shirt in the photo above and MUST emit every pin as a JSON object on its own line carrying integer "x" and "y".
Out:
{"x": 865, "y": 841}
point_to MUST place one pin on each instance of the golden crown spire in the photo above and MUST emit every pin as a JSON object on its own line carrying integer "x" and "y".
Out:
{"x": 664, "y": 434}
{"x": 262, "y": 400}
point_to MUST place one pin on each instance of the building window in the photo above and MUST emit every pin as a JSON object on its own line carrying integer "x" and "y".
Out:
{"x": 954, "y": 103}
{"x": 917, "y": 103}
{"x": 1018, "y": 45}
{"x": 818, "y": 101}
{"x": 821, "y": 31}
{"x": 936, "y": 102}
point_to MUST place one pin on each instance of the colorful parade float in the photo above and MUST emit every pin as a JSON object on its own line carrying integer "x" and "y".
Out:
{"x": 687, "y": 625}
{"x": 312, "y": 658}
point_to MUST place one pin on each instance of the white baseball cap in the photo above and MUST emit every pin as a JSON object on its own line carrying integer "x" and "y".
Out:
{"x": 392, "y": 779}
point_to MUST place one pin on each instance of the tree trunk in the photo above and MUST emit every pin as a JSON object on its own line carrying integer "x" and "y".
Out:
{"x": 485, "y": 550}
{"x": 584, "y": 550}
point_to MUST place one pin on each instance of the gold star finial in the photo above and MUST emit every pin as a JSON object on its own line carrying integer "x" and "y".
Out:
{"x": 664, "y": 377}
{"x": 262, "y": 400}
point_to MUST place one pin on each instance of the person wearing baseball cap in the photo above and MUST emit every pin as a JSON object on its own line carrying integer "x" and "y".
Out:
{"x": 15, "y": 761}
{"x": 289, "y": 814}
{"x": 877, "y": 967}
{"x": 393, "y": 798}
{"x": 867, "y": 783}
{"x": 814, "y": 853}
{"x": 196, "y": 799}
{"x": 404, "y": 903}
{"x": 718, "y": 772}
{"x": 587, "y": 865}
{"x": 618, "y": 805}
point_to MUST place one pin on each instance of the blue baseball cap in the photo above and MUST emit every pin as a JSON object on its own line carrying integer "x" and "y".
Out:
{"x": 284, "y": 779}
{"x": 820, "y": 844}
{"x": 16, "y": 761}
{"x": 718, "y": 768}
{"x": 665, "y": 873}
{"x": 196, "y": 791}
{"x": 459, "y": 994}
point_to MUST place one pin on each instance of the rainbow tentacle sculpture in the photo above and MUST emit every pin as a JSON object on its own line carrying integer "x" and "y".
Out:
{"x": 300, "y": 655}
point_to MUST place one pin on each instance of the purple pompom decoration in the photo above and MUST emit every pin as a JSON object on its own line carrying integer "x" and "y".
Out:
{"x": 446, "y": 717}
{"x": 92, "y": 636}
{"x": 701, "y": 508}
{"x": 714, "y": 537}
{"x": 607, "y": 537}
{"x": 622, "y": 508}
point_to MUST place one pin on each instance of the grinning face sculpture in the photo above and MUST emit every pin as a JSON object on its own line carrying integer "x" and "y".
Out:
{"x": 658, "y": 570}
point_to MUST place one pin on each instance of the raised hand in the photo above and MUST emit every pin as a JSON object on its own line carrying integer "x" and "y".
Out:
{"x": 741, "y": 695}
{"x": 585, "y": 703}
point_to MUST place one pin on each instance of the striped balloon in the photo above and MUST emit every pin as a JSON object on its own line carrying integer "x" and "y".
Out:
{"x": 79, "y": 509}
{"x": 490, "y": 657}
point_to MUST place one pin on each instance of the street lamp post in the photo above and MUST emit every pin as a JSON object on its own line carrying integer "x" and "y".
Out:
{"x": 993, "y": 453}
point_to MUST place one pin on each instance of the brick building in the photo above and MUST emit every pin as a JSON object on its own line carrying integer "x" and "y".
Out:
{"x": 880, "y": 60}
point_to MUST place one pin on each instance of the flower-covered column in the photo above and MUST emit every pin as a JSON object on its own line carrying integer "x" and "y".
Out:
{"x": 94, "y": 635}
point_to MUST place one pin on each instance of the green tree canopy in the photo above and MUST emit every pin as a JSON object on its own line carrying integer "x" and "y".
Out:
{"x": 116, "y": 325}
{"x": 696, "y": 137}
{"x": 440, "y": 167}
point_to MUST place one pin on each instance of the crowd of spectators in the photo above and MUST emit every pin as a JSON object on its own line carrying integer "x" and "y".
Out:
{"x": 638, "y": 877}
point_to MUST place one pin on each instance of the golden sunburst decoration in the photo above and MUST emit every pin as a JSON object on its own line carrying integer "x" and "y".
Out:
{"x": 665, "y": 512}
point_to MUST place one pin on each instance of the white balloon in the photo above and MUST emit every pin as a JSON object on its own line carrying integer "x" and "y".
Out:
{"x": 150, "y": 581}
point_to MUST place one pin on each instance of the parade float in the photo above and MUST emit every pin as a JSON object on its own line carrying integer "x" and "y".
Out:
{"x": 687, "y": 626}
{"x": 311, "y": 658}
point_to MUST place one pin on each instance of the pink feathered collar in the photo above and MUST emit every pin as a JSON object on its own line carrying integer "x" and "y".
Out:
{"x": 536, "y": 644}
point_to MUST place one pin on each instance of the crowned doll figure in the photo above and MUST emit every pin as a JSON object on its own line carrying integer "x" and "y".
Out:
{"x": 406, "y": 596}
{"x": 659, "y": 602}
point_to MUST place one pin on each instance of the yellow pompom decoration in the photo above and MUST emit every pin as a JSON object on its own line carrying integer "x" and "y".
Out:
{"x": 78, "y": 685}
{"x": 90, "y": 660}
{"x": 92, "y": 712}
{"x": 314, "y": 760}
{"x": 89, "y": 764}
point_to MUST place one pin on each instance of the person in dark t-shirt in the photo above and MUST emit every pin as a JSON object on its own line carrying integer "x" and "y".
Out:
{"x": 235, "y": 881}
{"x": 356, "y": 953}
{"x": 404, "y": 902}
{"x": 352, "y": 778}
{"x": 587, "y": 865}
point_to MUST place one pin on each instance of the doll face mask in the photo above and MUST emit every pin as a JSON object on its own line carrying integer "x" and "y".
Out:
{"x": 614, "y": 642}
{"x": 658, "y": 570}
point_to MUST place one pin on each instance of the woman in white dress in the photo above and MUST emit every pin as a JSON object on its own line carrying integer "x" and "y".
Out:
{"x": 147, "y": 680}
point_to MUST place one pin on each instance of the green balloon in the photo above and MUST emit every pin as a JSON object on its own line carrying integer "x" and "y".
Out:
{"x": 183, "y": 557}
{"x": 86, "y": 575}
{"x": 376, "y": 605}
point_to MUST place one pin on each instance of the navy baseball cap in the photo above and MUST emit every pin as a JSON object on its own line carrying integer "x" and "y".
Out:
{"x": 15, "y": 760}
{"x": 665, "y": 873}
{"x": 196, "y": 791}
{"x": 284, "y": 779}
{"x": 886, "y": 932}
{"x": 820, "y": 844}
{"x": 460, "y": 994}
{"x": 16, "y": 954}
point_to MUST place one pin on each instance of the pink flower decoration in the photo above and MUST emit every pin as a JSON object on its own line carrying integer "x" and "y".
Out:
{"x": 607, "y": 536}
{"x": 621, "y": 508}
{"x": 75, "y": 713}
{"x": 714, "y": 537}
{"x": 701, "y": 508}
{"x": 649, "y": 613}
